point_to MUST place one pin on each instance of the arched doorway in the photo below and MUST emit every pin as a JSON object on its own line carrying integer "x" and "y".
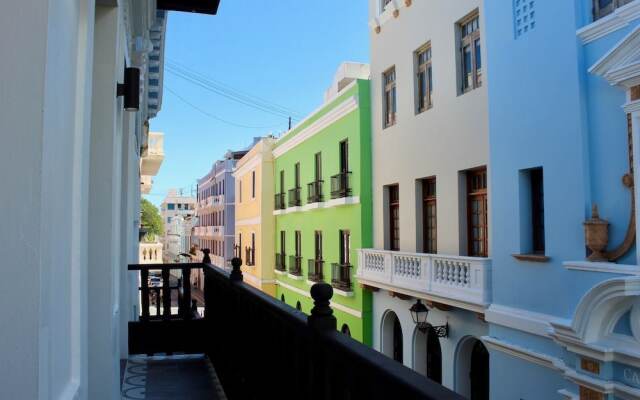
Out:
{"x": 298, "y": 306}
{"x": 472, "y": 369}
{"x": 392, "y": 345}
{"x": 434, "y": 357}
{"x": 345, "y": 329}
{"x": 479, "y": 373}
{"x": 282, "y": 299}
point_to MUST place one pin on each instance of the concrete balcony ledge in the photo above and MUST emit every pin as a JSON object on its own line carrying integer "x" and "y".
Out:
{"x": 459, "y": 281}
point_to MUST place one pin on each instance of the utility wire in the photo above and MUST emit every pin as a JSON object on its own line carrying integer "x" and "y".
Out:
{"x": 181, "y": 68}
{"x": 208, "y": 114}
{"x": 205, "y": 84}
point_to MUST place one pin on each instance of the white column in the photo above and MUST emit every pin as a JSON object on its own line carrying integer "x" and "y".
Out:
{"x": 635, "y": 126}
{"x": 104, "y": 233}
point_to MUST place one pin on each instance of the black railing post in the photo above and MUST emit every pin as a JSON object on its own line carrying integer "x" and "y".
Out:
{"x": 144, "y": 278}
{"x": 321, "y": 317}
{"x": 186, "y": 292}
{"x": 206, "y": 259}
{"x": 166, "y": 294}
{"x": 236, "y": 272}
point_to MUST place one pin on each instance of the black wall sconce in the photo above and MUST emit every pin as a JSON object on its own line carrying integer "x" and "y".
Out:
{"x": 130, "y": 89}
{"x": 419, "y": 314}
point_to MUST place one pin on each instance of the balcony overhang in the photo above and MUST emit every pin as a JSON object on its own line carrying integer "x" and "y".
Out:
{"x": 197, "y": 6}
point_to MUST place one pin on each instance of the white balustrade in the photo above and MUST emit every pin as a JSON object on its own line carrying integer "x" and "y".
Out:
{"x": 466, "y": 279}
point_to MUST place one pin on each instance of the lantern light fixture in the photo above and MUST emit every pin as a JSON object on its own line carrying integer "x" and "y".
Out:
{"x": 130, "y": 89}
{"x": 419, "y": 313}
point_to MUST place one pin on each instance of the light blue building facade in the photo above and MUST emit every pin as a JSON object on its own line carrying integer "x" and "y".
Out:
{"x": 564, "y": 117}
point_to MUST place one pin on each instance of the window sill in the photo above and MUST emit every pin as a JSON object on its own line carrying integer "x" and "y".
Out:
{"x": 607, "y": 267}
{"x": 540, "y": 258}
{"x": 295, "y": 277}
{"x": 388, "y": 126}
{"x": 422, "y": 111}
{"x": 343, "y": 293}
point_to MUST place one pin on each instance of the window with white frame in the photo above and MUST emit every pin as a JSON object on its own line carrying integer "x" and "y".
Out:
{"x": 389, "y": 106}
{"x": 424, "y": 78}
{"x": 470, "y": 52}
{"x": 602, "y": 8}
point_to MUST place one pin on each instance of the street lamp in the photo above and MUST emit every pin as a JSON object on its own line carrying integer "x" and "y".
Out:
{"x": 419, "y": 313}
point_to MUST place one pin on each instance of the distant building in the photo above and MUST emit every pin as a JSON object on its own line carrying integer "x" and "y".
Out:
{"x": 178, "y": 238}
{"x": 174, "y": 205}
{"x": 216, "y": 210}
{"x": 254, "y": 220}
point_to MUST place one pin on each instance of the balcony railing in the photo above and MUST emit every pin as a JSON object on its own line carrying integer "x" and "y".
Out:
{"x": 281, "y": 264}
{"x": 314, "y": 271}
{"x": 341, "y": 185}
{"x": 294, "y": 197}
{"x": 295, "y": 265}
{"x": 250, "y": 256}
{"x": 341, "y": 276}
{"x": 464, "y": 279}
{"x": 279, "y": 201}
{"x": 314, "y": 190}
{"x": 319, "y": 361}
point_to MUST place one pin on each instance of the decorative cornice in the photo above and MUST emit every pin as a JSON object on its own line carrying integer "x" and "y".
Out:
{"x": 329, "y": 118}
{"x": 523, "y": 353}
{"x": 602, "y": 267}
{"x": 248, "y": 221}
{"x": 632, "y": 107}
{"x": 619, "y": 18}
{"x": 624, "y": 54}
{"x": 520, "y": 319}
{"x": 248, "y": 166}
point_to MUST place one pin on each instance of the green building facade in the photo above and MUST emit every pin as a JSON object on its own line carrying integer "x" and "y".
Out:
{"x": 323, "y": 204}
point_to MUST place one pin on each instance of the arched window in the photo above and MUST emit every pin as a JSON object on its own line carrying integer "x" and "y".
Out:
{"x": 298, "y": 306}
{"x": 392, "y": 345}
{"x": 282, "y": 299}
{"x": 345, "y": 329}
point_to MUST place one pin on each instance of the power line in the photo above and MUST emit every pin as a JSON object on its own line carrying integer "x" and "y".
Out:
{"x": 205, "y": 84}
{"x": 244, "y": 96}
{"x": 208, "y": 114}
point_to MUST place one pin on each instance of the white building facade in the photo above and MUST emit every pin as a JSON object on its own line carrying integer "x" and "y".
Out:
{"x": 430, "y": 203}
{"x": 74, "y": 220}
{"x": 175, "y": 206}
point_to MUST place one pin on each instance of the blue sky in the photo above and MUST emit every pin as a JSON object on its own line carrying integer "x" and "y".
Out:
{"x": 283, "y": 51}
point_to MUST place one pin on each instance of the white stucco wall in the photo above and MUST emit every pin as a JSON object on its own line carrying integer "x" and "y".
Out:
{"x": 448, "y": 138}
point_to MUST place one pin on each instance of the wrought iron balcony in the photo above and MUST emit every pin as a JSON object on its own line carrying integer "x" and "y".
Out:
{"x": 341, "y": 185}
{"x": 314, "y": 270}
{"x": 314, "y": 190}
{"x": 280, "y": 202}
{"x": 341, "y": 276}
{"x": 250, "y": 256}
{"x": 323, "y": 363}
{"x": 281, "y": 264}
{"x": 295, "y": 265}
{"x": 294, "y": 197}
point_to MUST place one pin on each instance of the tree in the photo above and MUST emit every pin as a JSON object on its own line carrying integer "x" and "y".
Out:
{"x": 151, "y": 220}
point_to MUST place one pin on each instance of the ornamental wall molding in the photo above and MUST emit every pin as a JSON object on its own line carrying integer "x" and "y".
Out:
{"x": 618, "y": 19}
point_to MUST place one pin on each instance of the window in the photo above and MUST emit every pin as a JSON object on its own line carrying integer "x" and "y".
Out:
{"x": 470, "y": 57}
{"x": 297, "y": 175}
{"x": 171, "y": 206}
{"x": 345, "y": 246}
{"x": 252, "y": 257}
{"x": 603, "y": 8}
{"x": 282, "y": 181}
{"x": 532, "y": 240}
{"x": 318, "y": 245}
{"x": 424, "y": 78}
{"x": 477, "y": 213}
{"x": 389, "y": 106}
{"x": 383, "y": 4}
{"x": 318, "y": 167}
{"x": 253, "y": 184}
{"x": 282, "y": 243}
{"x": 344, "y": 156}
{"x": 168, "y": 220}
{"x": 429, "y": 216}
{"x": 298, "y": 244}
{"x": 240, "y": 245}
{"x": 394, "y": 217}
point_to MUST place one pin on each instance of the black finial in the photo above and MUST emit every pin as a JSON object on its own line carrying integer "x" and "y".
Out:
{"x": 206, "y": 259}
{"x": 236, "y": 273}
{"x": 321, "y": 314}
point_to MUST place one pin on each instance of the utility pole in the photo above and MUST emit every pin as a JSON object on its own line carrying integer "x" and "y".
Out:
{"x": 289, "y": 123}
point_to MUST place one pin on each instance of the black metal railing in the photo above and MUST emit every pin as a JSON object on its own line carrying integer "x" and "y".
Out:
{"x": 281, "y": 265}
{"x": 294, "y": 197}
{"x": 250, "y": 256}
{"x": 314, "y": 270}
{"x": 341, "y": 185}
{"x": 318, "y": 361}
{"x": 279, "y": 201}
{"x": 341, "y": 276}
{"x": 295, "y": 265}
{"x": 314, "y": 190}
{"x": 163, "y": 289}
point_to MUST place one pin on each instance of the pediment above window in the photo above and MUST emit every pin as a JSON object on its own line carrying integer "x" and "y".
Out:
{"x": 621, "y": 65}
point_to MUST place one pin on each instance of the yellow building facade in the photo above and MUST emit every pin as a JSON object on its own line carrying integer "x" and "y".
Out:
{"x": 254, "y": 233}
